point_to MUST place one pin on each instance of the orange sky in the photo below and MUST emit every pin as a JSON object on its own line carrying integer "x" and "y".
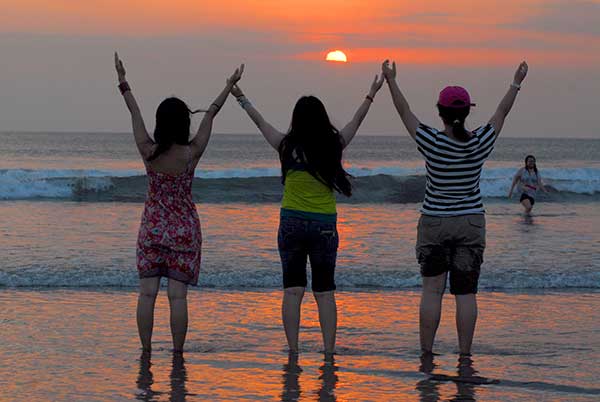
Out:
{"x": 57, "y": 50}
{"x": 420, "y": 32}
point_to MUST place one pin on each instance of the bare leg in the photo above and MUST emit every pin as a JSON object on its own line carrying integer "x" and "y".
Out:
{"x": 431, "y": 309}
{"x": 290, "y": 312}
{"x": 466, "y": 317}
{"x": 328, "y": 320}
{"x": 145, "y": 310}
{"x": 527, "y": 205}
{"x": 177, "y": 292}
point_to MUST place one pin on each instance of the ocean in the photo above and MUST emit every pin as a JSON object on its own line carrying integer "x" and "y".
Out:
{"x": 62, "y": 192}
{"x": 70, "y": 206}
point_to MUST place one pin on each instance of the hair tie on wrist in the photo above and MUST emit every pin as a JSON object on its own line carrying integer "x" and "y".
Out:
{"x": 124, "y": 87}
{"x": 369, "y": 97}
{"x": 217, "y": 106}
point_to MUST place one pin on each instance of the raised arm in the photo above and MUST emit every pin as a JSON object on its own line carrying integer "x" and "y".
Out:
{"x": 497, "y": 120}
{"x": 271, "y": 134}
{"x": 143, "y": 141}
{"x": 349, "y": 131}
{"x": 411, "y": 122}
{"x": 200, "y": 141}
{"x": 515, "y": 180}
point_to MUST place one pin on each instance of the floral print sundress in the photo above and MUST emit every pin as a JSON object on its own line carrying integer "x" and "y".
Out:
{"x": 170, "y": 239}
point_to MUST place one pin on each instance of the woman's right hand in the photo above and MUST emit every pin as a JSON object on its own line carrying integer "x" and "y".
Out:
{"x": 521, "y": 73}
{"x": 236, "y": 91}
{"x": 236, "y": 76}
{"x": 388, "y": 72}
{"x": 120, "y": 68}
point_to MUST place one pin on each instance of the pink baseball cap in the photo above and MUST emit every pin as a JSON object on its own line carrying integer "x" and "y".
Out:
{"x": 455, "y": 97}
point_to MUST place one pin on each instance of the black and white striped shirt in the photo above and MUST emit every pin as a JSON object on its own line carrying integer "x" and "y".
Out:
{"x": 453, "y": 170}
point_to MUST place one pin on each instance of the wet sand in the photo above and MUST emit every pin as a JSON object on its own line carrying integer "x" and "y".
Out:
{"x": 81, "y": 345}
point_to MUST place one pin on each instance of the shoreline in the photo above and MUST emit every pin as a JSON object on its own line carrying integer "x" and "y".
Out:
{"x": 193, "y": 289}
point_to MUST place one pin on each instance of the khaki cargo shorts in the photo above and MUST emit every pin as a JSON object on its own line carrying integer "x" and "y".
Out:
{"x": 453, "y": 244}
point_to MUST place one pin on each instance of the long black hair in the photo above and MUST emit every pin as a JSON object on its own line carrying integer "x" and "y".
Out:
{"x": 316, "y": 144}
{"x": 534, "y": 164}
{"x": 172, "y": 125}
{"x": 456, "y": 116}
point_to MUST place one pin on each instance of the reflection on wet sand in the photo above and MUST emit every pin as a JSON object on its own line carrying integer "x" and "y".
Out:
{"x": 145, "y": 379}
{"x": 329, "y": 379}
{"x": 466, "y": 380}
{"x": 465, "y": 391}
{"x": 428, "y": 389}
{"x": 291, "y": 379}
{"x": 178, "y": 378}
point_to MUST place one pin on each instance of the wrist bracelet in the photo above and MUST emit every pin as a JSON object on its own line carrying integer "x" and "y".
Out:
{"x": 124, "y": 87}
{"x": 243, "y": 101}
{"x": 516, "y": 86}
{"x": 369, "y": 97}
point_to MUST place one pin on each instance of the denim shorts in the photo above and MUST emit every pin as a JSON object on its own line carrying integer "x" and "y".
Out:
{"x": 453, "y": 244}
{"x": 299, "y": 239}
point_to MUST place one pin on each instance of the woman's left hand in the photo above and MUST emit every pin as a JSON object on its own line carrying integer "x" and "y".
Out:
{"x": 376, "y": 85}
{"x": 236, "y": 76}
{"x": 120, "y": 68}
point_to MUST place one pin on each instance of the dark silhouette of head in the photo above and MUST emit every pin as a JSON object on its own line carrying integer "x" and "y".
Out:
{"x": 315, "y": 143}
{"x": 454, "y": 105}
{"x": 172, "y": 125}
{"x": 455, "y": 117}
{"x": 530, "y": 159}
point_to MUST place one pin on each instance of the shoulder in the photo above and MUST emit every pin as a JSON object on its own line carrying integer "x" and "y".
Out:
{"x": 425, "y": 131}
{"x": 484, "y": 131}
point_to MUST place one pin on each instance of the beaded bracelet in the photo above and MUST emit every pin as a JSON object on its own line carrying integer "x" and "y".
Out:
{"x": 243, "y": 101}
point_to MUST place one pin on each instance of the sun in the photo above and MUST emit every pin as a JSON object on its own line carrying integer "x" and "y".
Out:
{"x": 336, "y": 55}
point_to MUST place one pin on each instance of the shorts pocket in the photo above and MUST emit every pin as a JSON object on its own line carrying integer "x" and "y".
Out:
{"x": 289, "y": 234}
{"x": 329, "y": 239}
{"x": 478, "y": 221}
{"x": 474, "y": 231}
{"x": 428, "y": 230}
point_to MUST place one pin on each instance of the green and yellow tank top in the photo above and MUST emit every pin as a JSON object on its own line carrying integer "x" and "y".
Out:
{"x": 305, "y": 197}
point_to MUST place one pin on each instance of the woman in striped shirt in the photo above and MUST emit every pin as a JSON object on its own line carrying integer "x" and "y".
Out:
{"x": 451, "y": 230}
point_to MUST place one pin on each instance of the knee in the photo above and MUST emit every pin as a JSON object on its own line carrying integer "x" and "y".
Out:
{"x": 294, "y": 291}
{"x": 434, "y": 286}
{"x": 177, "y": 293}
{"x": 149, "y": 294}
{"x": 436, "y": 290}
{"x": 324, "y": 296}
{"x": 176, "y": 296}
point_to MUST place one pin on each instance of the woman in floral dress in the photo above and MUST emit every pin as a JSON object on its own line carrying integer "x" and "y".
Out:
{"x": 169, "y": 239}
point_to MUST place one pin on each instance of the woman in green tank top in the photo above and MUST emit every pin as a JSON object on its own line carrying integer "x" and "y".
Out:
{"x": 311, "y": 170}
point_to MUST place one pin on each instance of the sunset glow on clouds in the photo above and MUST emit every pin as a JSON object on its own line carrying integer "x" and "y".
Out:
{"x": 414, "y": 32}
